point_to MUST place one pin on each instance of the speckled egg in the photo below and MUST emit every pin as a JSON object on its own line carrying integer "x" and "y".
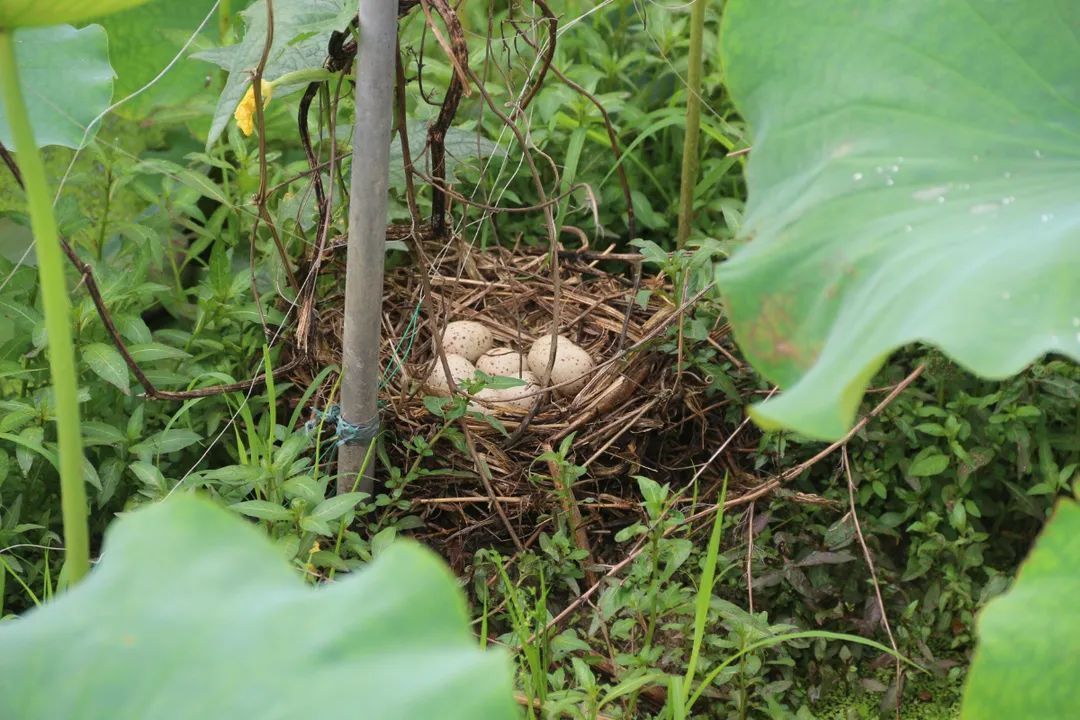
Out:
{"x": 460, "y": 369}
{"x": 485, "y": 400}
{"x": 503, "y": 361}
{"x": 572, "y": 364}
{"x": 521, "y": 397}
{"x": 467, "y": 338}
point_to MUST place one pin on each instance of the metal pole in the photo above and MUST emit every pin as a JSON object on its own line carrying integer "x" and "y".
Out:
{"x": 360, "y": 365}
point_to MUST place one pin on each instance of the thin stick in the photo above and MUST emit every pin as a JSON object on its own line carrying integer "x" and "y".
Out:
{"x": 750, "y": 559}
{"x": 873, "y": 576}
{"x": 485, "y": 477}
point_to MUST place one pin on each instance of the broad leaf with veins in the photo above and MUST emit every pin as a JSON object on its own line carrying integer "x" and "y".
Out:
{"x": 191, "y": 613}
{"x": 915, "y": 177}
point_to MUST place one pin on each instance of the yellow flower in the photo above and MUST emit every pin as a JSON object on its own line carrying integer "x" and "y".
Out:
{"x": 245, "y": 111}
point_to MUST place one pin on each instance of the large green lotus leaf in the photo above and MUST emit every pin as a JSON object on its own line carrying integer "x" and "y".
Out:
{"x": 913, "y": 178}
{"x": 144, "y": 40}
{"x": 22, "y": 13}
{"x": 193, "y": 614}
{"x": 302, "y": 30}
{"x": 1025, "y": 666}
{"x": 66, "y": 81}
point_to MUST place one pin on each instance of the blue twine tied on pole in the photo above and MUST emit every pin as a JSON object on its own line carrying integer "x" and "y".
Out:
{"x": 347, "y": 433}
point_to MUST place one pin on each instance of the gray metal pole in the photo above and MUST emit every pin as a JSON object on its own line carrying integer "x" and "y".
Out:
{"x": 360, "y": 365}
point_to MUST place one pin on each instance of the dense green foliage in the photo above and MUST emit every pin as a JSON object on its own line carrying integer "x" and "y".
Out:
{"x": 953, "y": 480}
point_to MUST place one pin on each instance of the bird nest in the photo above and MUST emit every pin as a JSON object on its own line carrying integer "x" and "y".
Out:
{"x": 634, "y": 401}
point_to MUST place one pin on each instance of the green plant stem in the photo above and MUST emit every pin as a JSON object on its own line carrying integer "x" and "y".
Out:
{"x": 57, "y": 317}
{"x": 693, "y": 123}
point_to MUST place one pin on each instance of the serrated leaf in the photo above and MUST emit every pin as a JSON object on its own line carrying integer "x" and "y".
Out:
{"x": 107, "y": 364}
{"x": 1024, "y": 666}
{"x": 901, "y": 191}
{"x": 185, "y": 594}
{"x": 65, "y": 77}
{"x": 23, "y": 13}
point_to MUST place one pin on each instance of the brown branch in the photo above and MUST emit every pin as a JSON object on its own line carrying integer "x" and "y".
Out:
{"x": 546, "y": 58}
{"x": 438, "y": 129}
{"x": 873, "y": 577}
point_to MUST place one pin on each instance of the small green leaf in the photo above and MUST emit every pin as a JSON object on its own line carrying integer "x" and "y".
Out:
{"x": 149, "y": 475}
{"x": 335, "y": 507}
{"x": 187, "y": 177}
{"x": 95, "y": 432}
{"x": 24, "y": 13}
{"x": 1025, "y": 664}
{"x": 262, "y": 510}
{"x": 235, "y": 474}
{"x": 928, "y": 465}
{"x": 108, "y": 364}
{"x": 166, "y": 441}
{"x": 151, "y": 351}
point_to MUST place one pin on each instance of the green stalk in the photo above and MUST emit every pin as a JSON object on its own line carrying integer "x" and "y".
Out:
{"x": 57, "y": 317}
{"x": 693, "y": 124}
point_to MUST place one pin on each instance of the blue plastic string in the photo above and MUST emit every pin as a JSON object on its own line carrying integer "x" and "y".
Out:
{"x": 347, "y": 433}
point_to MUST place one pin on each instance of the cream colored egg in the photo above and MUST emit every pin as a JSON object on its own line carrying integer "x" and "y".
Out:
{"x": 538, "y": 353}
{"x": 467, "y": 338}
{"x": 570, "y": 372}
{"x": 503, "y": 361}
{"x": 521, "y": 397}
{"x": 485, "y": 400}
{"x": 460, "y": 370}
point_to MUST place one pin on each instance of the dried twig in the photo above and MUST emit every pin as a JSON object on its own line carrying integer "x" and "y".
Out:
{"x": 873, "y": 577}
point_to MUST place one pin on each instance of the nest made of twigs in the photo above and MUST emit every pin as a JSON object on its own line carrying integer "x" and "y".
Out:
{"x": 632, "y": 397}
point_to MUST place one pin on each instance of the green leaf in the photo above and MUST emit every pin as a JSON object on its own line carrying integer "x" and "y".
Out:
{"x": 335, "y": 507}
{"x": 185, "y": 176}
{"x": 166, "y": 441}
{"x": 22, "y": 13}
{"x": 914, "y": 183}
{"x": 66, "y": 79}
{"x": 95, "y": 432}
{"x": 929, "y": 465}
{"x": 262, "y": 510}
{"x": 186, "y": 594}
{"x": 1025, "y": 666}
{"x": 143, "y": 41}
{"x": 108, "y": 364}
{"x": 301, "y": 33}
{"x": 151, "y": 351}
